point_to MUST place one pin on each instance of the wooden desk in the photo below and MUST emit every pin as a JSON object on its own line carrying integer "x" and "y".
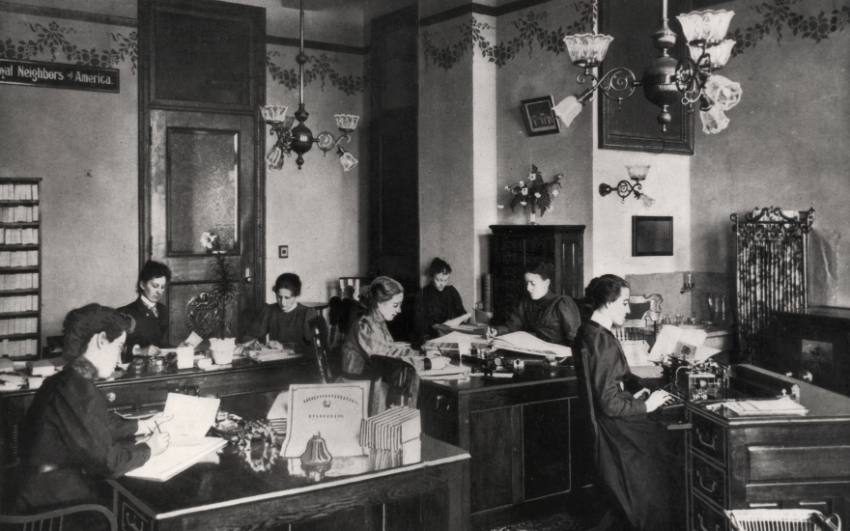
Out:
{"x": 246, "y": 388}
{"x": 430, "y": 495}
{"x": 771, "y": 462}
{"x": 519, "y": 436}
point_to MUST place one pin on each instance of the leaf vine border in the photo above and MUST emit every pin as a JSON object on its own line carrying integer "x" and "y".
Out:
{"x": 318, "y": 68}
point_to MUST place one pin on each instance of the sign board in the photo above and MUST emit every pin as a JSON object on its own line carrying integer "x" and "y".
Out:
{"x": 59, "y": 75}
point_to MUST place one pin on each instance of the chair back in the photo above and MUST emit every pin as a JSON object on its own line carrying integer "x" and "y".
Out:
{"x": 54, "y": 520}
{"x": 585, "y": 391}
{"x": 319, "y": 343}
{"x": 349, "y": 287}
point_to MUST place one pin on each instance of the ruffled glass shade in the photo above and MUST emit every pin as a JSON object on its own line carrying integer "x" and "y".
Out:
{"x": 587, "y": 50}
{"x": 274, "y": 113}
{"x": 719, "y": 54}
{"x": 346, "y": 122}
{"x": 638, "y": 171}
{"x": 708, "y": 25}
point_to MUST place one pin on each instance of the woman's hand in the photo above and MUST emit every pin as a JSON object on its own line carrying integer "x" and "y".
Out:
{"x": 643, "y": 393}
{"x": 154, "y": 424}
{"x": 158, "y": 442}
{"x": 657, "y": 399}
{"x": 438, "y": 361}
{"x": 491, "y": 332}
{"x": 276, "y": 345}
{"x": 150, "y": 350}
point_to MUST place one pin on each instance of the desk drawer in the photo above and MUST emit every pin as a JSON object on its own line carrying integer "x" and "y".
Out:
{"x": 709, "y": 438}
{"x": 705, "y": 518}
{"x": 708, "y": 481}
{"x": 437, "y": 401}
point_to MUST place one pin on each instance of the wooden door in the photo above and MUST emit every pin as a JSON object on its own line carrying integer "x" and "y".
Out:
{"x": 201, "y": 79}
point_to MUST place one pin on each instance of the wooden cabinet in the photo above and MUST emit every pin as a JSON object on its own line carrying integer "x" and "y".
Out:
{"x": 20, "y": 269}
{"x": 515, "y": 247}
{"x": 814, "y": 345}
{"x": 518, "y": 434}
{"x": 776, "y": 462}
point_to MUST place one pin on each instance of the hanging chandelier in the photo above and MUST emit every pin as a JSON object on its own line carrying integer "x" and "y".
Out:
{"x": 666, "y": 80}
{"x": 300, "y": 138}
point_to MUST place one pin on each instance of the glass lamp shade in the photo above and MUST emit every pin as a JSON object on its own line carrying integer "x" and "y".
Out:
{"x": 708, "y": 25}
{"x": 587, "y": 50}
{"x": 724, "y": 92}
{"x": 567, "y": 110}
{"x": 274, "y": 113}
{"x": 346, "y": 159}
{"x": 346, "y": 122}
{"x": 638, "y": 171}
{"x": 718, "y": 54}
{"x": 646, "y": 201}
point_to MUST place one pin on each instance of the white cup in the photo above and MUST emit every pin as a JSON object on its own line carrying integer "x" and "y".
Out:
{"x": 185, "y": 357}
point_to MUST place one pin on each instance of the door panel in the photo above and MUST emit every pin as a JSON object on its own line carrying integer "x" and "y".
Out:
{"x": 202, "y": 180}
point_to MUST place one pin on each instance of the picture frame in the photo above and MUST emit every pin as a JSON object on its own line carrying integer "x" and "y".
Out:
{"x": 652, "y": 235}
{"x": 540, "y": 117}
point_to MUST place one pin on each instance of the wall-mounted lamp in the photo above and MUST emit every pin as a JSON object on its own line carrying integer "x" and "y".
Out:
{"x": 624, "y": 188}
{"x": 666, "y": 80}
{"x": 687, "y": 284}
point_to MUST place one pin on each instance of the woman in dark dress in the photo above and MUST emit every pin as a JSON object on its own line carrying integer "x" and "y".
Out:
{"x": 552, "y": 318}
{"x": 437, "y": 302}
{"x": 150, "y": 315}
{"x": 629, "y": 445}
{"x": 285, "y": 321}
{"x": 71, "y": 439}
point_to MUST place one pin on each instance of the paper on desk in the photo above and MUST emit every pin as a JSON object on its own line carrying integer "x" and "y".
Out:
{"x": 452, "y": 340}
{"x": 457, "y": 320}
{"x": 193, "y": 340}
{"x": 670, "y": 336}
{"x": 193, "y": 417}
{"x": 526, "y": 343}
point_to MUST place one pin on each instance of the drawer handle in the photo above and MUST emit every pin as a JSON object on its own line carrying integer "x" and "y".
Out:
{"x": 702, "y": 526}
{"x": 704, "y": 442}
{"x": 701, "y": 484}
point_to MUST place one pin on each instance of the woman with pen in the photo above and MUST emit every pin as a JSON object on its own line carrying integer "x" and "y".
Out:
{"x": 71, "y": 440}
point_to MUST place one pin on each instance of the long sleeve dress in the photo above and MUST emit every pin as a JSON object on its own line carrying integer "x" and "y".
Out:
{"x": 630, "y": 446}
{"x": 151, "y": 328}
{"x": 369, "y": 336}
{"x": 552, "y": 318}
{"x": 432, "y": 306}
{"x": 71, "y": 440}
{"x": 284, "y": 327}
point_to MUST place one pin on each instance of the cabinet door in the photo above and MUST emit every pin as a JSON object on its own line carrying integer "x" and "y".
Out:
{"x": 493, "y": 447}
{"x": 546, "y": 448}
{"x": 508, "y": 265}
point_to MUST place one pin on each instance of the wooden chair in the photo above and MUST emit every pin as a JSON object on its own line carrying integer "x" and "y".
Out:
{"x": 54, "y": 520}
{"x": 319, "y": 342}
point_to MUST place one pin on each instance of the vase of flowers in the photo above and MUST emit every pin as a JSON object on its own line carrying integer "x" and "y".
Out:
{"x": 534, "y": 193}
{"x": 225, "y": 290}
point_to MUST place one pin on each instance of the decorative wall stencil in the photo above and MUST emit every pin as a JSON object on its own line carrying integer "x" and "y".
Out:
{"x": 530, "y": 27}
{"x": 320, "y": 68}
{"x": 52, "y": 42}
{"x": 778, "y": 14}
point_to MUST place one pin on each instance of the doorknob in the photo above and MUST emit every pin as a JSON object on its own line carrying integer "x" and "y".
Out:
{"x": 248, "y": 278}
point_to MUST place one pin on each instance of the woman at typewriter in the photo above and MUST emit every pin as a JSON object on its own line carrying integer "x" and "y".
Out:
{"x": 437, "y": 302}
{"x": 629, "y": 445}
{"x": 370, "y": 339}
{"x": 552, "y": 318}
{"x": 70, "y": 438}
{"x": 285, "y": 321}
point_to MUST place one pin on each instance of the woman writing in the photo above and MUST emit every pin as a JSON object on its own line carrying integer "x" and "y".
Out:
{"x": 369, "y": 338}
{"x": 149, "y": 314}
{"x": 629, "y": 454}
{"x": 552, "y": 318}
{"x": 285, "y": 321}
{"x": 70, "y": 437}
{"x": 437, "y": 302}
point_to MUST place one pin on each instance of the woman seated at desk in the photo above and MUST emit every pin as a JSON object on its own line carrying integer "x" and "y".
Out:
{"x": 150, "y": 315}
{"x": 552, "y": 318}
{"x": 285, "y": 321}
{"x": 370, "y": 337}
{"x": 70, "y": 438}
{"x": 437, "y": 302}
{"x": 629, "y": 444}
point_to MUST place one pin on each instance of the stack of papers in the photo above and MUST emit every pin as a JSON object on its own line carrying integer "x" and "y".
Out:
{"x": 270, "y": 354}
{"x": 525, "y": 343}
{"x": 393, "y": 437}
{"x": 683, "y": 343}
{"x": 756, "y": 408}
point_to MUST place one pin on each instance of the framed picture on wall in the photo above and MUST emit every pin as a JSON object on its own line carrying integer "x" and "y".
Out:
{"x": 652, "y": 235}
{"x": 539, "y": 117}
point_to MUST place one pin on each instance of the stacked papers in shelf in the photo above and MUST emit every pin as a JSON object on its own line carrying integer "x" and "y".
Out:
{"x": 392, "y": 437}
{"x": 756, "y": 408}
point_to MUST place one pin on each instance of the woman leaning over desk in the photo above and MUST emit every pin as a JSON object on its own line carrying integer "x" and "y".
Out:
{"x": 552, "y": 318}
{"x": 287, "y": 320}
{"x": 70, "y": 438}
{"x": 437, "y": 302}
{"x": 369, "y": 337}
{"x": 150, "y": 315}
{"x": 629, "y": 445}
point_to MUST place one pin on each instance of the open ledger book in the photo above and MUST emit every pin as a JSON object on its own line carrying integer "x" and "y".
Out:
{"x": 525, "y": 343}
{"x": 193, "y": 417}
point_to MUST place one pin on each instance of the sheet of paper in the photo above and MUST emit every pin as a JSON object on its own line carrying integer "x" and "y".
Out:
{"x": 193, "y": 340}
{"x": 176, "y": 459}
{"x": 526, "y": 343}
{"x": 457, "y": 320}
{"x": 193, "y": 417}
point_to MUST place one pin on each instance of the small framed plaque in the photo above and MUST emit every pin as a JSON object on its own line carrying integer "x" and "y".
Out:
{"x": 539, "y": 117}
{"x": 652, "y": 235}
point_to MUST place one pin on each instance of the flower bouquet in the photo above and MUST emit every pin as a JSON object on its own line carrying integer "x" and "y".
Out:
{"x": 534, "y": 192}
